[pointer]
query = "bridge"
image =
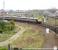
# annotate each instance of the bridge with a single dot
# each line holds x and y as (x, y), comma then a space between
(31, 20)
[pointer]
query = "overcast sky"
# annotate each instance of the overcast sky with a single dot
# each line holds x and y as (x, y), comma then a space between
(29, 4)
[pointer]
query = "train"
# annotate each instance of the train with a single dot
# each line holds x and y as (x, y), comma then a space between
(39, 19)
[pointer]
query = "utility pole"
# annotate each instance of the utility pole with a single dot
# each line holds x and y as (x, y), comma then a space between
(3, 4)
(3, 8)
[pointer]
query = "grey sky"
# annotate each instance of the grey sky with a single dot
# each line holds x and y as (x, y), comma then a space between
(29, 4)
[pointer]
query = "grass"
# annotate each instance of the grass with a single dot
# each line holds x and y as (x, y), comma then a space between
(31, 38)
(7, 34)
(3, 48)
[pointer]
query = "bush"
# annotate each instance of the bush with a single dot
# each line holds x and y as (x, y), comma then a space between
(6, 26)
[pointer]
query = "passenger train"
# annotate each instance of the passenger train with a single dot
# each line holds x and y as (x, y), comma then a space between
(39, 19)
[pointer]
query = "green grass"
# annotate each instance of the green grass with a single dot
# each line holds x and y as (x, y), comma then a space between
(7, 34)
(30, 39)
(3, 48)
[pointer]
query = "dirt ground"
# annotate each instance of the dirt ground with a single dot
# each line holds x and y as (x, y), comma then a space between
(50, 38)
